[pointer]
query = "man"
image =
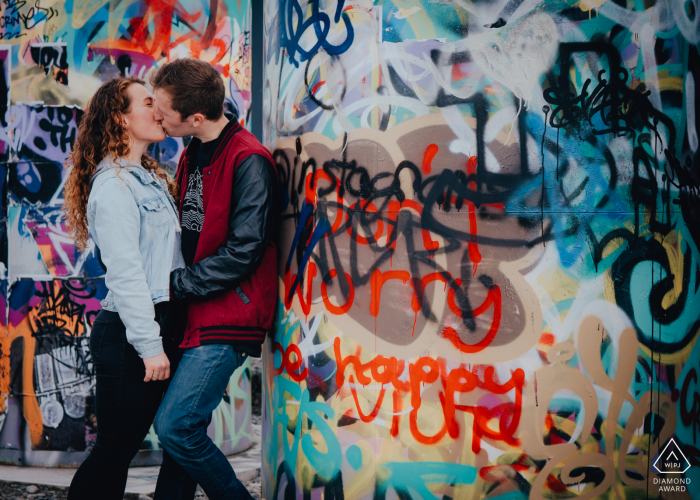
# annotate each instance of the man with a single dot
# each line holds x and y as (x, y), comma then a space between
(228, 192)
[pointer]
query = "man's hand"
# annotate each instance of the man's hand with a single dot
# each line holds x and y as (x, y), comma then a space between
(157, 368)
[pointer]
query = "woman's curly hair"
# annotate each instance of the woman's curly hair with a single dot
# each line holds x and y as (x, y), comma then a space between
(101, 132)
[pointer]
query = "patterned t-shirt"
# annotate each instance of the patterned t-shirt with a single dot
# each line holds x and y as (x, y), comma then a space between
(192, 205)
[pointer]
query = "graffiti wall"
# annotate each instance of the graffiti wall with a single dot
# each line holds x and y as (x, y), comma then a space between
(53, 56)
(489, 253)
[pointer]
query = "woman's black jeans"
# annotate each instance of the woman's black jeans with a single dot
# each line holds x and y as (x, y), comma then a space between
(125, 408)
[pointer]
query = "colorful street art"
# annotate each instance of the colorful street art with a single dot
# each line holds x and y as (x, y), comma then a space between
(489, 252)
(53, 56)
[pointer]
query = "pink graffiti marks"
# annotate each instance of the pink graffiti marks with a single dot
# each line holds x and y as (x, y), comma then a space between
(57, 249)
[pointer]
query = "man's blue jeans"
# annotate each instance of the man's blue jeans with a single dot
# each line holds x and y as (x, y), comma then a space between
(183, 418)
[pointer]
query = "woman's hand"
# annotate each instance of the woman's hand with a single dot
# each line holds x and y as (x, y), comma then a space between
(157, 368)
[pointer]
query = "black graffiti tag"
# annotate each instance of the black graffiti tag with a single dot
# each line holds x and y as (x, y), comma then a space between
(690, 416)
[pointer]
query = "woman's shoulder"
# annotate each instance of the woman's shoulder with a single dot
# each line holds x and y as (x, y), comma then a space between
(111, 182)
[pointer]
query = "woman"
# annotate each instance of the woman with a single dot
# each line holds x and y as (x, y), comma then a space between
(124, 199)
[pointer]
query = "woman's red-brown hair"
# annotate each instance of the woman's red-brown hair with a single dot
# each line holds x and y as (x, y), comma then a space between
(101, 132)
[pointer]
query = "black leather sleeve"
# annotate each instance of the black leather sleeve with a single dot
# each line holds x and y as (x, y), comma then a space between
(253, 216)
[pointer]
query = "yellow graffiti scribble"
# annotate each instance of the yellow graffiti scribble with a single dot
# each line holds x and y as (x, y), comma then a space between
(30, 405)
(673, 358)
(590, 5)
(672, 243)
(23, 330)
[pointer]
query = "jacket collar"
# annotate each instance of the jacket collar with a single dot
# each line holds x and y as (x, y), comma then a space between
(231, 129)
(132, 167)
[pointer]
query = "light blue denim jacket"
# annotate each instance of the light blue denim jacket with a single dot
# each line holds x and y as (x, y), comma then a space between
(133, 220)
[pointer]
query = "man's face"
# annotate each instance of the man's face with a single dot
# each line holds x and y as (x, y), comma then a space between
(172, 121)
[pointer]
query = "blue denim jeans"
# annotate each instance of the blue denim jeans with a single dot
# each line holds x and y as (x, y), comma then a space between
(182, 420)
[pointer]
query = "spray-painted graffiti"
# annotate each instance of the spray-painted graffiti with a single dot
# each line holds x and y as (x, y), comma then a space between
(53, 56)
(490, 254)
(320, 23)
(91, 42)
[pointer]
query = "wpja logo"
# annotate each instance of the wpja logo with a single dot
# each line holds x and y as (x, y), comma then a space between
(672, 461)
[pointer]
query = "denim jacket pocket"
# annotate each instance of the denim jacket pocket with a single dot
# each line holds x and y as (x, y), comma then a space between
(97, 334)
(157, 213)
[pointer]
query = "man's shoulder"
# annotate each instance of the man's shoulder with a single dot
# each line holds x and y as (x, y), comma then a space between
(255, 160)
(243, 145)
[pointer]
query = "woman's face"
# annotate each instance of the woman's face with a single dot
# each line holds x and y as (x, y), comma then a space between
(140, 118)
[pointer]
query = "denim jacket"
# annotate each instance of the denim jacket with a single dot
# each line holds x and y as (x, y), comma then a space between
(133, 220)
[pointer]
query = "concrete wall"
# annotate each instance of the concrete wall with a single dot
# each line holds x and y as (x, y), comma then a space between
(53, 56)
(489, 260)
